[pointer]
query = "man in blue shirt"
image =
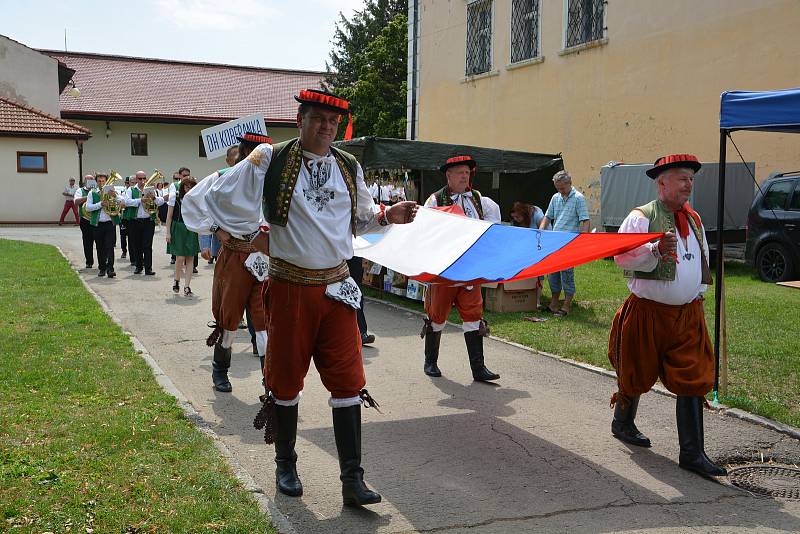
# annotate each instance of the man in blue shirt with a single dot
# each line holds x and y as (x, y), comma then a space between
(567, 212)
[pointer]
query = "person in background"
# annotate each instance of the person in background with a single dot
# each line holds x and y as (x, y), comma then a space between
(162, 192)
(177, 176)
(180, 241)
(142, 225)
(530, 216)
(105, 234)
(567, 213)
(87, 232)
(69, 201)
(356, 267)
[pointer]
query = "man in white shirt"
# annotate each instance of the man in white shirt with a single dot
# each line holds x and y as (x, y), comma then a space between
(142, 224)
(69, 202)
(467, 299)
(103, 223)
(660, 330)
(315, 199)
(87, 232)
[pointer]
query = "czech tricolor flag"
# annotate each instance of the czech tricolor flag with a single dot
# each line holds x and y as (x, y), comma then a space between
(443, 248)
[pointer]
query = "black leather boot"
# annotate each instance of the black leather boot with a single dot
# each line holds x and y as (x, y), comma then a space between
(474, 342)
(689, 416)
(623, 427)
(219, 369)
(286, 478)
(347, 429)
(432, 340)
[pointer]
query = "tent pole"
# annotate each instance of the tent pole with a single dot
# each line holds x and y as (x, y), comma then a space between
(719, 305)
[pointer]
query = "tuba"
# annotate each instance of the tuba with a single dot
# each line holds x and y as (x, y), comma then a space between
(109, 195)
(149, 196)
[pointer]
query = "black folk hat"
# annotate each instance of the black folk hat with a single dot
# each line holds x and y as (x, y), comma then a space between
(672, 161)
(458, 160)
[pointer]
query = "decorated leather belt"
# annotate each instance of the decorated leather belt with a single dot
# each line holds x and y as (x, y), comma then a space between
(239, 245)
(283, 270)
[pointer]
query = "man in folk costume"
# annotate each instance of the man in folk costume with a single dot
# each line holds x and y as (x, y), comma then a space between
(141, 224)
(87, 232)
(660, 330)
(467, 299)
(315, 199)
(239, 274)
(104, 225)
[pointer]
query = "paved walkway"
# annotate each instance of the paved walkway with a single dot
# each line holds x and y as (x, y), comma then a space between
(533, 453)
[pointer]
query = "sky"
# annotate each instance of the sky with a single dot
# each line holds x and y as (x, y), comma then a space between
(292, 34)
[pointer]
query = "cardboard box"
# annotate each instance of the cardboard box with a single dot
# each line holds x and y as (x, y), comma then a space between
(501, 300)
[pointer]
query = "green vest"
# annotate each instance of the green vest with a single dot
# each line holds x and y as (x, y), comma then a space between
(281, 179)
(130, 213)
(94, 216)
(443, 198)
(663, 220)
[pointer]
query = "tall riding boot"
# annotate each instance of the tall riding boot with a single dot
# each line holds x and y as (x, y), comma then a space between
(219, 369)
(689, 416)
(286, 478)
(623, 427)
(347, 429)
(432, 340)
(474, 342)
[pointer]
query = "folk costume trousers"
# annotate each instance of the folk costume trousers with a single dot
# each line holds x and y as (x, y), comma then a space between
(650, 340)
(235, 288)
(306, 324)
(439, 300)
(141, 242)
(105, 238)
(87, 235)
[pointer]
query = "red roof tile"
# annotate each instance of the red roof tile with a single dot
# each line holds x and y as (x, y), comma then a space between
(120, 87)
(19, 120)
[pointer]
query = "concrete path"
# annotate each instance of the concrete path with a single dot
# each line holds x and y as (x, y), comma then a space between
(532, 454)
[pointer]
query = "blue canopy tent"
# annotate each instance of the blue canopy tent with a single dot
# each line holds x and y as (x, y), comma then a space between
(766, 111)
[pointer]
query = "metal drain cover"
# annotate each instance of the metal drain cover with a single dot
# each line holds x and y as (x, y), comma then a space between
(770, 480)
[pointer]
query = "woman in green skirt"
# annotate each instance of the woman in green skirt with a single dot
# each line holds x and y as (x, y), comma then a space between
(180, 241)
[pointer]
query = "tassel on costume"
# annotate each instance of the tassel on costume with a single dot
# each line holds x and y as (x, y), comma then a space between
(483, 328)
(216, 333)
(266, 418)
(427, 328)
(369, 402)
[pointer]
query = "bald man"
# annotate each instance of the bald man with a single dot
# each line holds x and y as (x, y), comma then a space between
(141, 225)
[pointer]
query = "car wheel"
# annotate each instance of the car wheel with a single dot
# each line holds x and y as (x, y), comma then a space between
(774, 264)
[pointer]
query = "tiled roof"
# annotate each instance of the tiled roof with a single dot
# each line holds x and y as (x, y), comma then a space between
(19, 120)
(120, 87)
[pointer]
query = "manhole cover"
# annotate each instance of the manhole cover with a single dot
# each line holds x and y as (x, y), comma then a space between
(771, 480)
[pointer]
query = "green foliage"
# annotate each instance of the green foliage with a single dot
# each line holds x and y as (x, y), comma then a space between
(368, 67)
(88, 440)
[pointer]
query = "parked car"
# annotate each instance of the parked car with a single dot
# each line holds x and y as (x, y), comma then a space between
(773, 229)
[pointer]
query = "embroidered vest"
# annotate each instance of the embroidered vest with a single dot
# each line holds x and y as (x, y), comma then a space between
(281, 179)
(663, 220)
(443, 199)
(94, 216)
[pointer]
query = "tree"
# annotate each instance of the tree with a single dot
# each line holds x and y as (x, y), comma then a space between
(368, 67)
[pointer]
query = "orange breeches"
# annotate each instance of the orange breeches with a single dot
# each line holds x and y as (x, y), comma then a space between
(468, 302)
(235, 288)
(305, 324)
(650, 340)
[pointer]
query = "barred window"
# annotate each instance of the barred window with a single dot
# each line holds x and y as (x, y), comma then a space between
(524, 30)
(479, 37)
(584, 21)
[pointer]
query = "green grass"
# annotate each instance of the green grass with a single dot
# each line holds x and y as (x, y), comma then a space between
(88, 441)
(762, 326)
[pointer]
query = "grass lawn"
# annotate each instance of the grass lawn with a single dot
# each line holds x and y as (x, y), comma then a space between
(88, 441)
(762, 324)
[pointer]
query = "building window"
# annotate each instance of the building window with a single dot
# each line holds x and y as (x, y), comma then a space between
(31, 161)
(584, 22)
(479, 37)
(524, 30)
(138, 144)
(202, 150)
